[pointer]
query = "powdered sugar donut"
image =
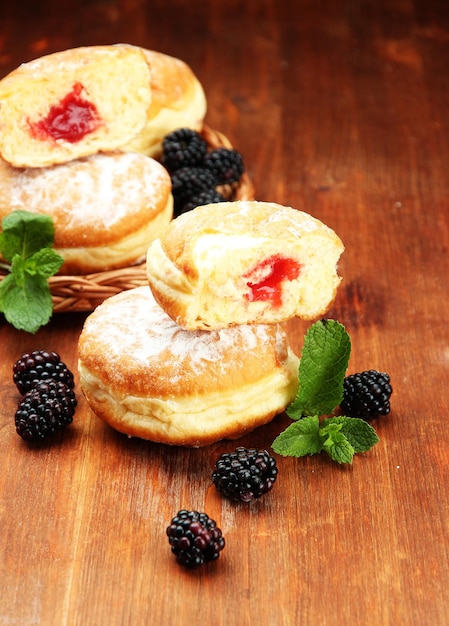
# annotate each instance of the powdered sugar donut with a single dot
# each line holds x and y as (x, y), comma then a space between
(106, 208)
(147, 377)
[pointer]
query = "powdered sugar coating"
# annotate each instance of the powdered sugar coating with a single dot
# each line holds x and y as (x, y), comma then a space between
(68, 61)
(95, 193)
(130, 331)
(227, 217)
(134, 317)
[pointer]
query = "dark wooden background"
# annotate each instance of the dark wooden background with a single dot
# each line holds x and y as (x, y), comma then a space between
(340, 108)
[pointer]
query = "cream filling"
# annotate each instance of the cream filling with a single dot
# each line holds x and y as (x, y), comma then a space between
(219, 292)
(192, 418)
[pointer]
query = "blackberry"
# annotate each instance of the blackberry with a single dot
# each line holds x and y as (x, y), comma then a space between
(207, 196)
(366, 394)
(225, 164)
(245, 474)
(48, 407)
(40, 365)
(183, 148)
(195, 539)
(187, 183)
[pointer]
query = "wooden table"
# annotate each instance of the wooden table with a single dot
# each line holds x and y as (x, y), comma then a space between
(340, 108)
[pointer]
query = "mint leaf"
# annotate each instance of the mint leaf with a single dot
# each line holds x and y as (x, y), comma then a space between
(322, 368)
(359, 433)
(25, 243)
(25, 233)
(340, 450)
(45, 262)
(26, 305)
(335, 443)
(6, 286)
(300, 438)
(330, 432)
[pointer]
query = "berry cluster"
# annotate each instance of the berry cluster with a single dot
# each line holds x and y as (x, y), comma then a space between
(198, 175)
(245, 474)
(195, 539)
(48, 402)
(366, 395)
(40, 365)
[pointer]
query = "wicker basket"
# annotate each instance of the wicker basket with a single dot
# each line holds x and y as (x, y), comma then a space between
(84, 293)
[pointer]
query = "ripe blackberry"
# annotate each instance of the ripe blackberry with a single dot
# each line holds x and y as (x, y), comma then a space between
(195, 539)
(187, 183)
(46, 408)
(225, 164)
(183, 148)
(207, 196)
(245, 474)
(366, 394)
(40, 365)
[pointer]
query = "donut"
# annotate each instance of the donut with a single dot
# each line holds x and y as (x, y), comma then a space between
(178, 101)
(146, 377)
(244, 262)
(96, 99)
(105, 208)
(73, 103)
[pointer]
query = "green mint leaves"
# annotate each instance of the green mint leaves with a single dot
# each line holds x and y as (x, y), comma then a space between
(322, 370)
(340, 437)
(26, 242)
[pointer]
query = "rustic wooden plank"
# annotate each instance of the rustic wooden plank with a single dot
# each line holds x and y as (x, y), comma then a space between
(339, 108)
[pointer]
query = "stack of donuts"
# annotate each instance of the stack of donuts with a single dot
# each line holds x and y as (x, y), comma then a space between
(80, 131)
(201, 353)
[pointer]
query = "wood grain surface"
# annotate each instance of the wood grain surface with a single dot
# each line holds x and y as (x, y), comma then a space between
(340, 108)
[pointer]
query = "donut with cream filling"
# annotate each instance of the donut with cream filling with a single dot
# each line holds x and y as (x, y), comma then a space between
(106, 208)
(244, 262)
(147, 377)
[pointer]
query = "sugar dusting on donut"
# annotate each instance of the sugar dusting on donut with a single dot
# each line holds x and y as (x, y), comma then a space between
(94, 193)
(132, 326)
(68, 61)
(247, 216)
(160, 332)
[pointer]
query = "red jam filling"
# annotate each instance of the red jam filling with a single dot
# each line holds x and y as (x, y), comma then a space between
(269, 289)
(71, 119)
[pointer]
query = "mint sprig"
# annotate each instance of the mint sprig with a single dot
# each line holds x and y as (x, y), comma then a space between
(341, 437)
(26, 242)
(322, 369)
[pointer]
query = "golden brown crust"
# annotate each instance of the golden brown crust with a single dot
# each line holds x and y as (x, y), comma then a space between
(106, 208)
(42, 101)
(178, 101)
(147, 377)
(206, 267)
